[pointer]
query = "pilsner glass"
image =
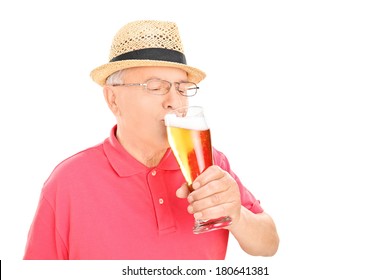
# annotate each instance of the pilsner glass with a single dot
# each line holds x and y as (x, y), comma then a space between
(190, 141)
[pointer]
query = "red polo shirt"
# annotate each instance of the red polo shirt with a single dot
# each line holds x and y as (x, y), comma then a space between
(103, 204)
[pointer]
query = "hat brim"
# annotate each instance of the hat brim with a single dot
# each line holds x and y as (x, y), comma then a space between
(100, 74)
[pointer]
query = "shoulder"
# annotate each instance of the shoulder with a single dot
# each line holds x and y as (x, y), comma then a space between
(72, 168)
(220, 159)
(82, 159)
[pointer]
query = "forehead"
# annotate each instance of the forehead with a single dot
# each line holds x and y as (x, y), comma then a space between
(146, 72)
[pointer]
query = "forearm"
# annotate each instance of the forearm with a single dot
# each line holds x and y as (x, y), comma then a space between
(256, 233)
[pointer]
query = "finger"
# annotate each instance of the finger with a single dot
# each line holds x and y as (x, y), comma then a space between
(215, 212)
(211, 201)
(222, 184)
(183, 191)
(206, 191)
(212, 173)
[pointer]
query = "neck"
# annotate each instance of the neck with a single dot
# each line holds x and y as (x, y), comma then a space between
(145, 152)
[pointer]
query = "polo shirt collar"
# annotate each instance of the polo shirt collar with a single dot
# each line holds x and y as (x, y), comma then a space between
(125, 164)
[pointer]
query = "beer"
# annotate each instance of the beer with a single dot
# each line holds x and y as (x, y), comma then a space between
(192, 148)
(190, 141)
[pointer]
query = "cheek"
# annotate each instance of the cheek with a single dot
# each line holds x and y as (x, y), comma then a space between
(128, 105)
(136, 109)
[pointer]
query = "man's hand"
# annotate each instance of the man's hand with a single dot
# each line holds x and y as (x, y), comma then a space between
(216, 194)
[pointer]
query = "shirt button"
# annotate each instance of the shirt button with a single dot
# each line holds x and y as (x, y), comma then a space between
(154, 173)
(161, 201)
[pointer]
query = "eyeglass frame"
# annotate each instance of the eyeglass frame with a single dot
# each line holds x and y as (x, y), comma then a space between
(145, 86)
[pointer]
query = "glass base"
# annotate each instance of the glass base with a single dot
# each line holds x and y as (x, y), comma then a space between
(202, 226)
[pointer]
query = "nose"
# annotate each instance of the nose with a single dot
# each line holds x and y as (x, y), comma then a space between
(173, 99)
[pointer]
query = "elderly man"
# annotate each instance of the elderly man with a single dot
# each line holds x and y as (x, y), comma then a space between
(126, 197)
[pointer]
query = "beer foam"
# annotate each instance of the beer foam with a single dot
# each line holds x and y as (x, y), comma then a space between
(195, 122)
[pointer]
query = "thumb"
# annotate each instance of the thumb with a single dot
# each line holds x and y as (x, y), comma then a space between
(183, 191)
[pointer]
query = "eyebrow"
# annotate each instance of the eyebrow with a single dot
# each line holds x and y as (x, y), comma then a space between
(157, 78)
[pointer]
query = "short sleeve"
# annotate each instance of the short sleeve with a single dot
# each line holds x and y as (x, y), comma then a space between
(247, 198)
(44, 242)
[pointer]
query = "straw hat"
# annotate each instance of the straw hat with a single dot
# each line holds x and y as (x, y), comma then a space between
(146, 43)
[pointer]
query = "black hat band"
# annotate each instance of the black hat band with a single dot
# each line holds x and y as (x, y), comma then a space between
(152, 54)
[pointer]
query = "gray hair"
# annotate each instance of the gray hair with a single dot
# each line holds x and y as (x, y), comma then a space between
(115, 78)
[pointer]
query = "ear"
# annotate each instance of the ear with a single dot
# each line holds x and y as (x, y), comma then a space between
(110, 96)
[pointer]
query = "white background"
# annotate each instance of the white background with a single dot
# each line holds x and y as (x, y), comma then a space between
(297, 95)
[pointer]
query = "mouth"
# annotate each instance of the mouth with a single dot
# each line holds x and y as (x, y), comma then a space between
(163, 122)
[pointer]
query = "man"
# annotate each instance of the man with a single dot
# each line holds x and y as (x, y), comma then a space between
(126, 198)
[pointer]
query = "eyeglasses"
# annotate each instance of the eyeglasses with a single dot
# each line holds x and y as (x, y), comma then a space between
(161, 87)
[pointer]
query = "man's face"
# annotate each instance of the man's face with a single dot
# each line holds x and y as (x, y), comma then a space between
(140, 113)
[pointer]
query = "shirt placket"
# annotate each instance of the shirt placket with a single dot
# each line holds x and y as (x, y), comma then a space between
(163, 211)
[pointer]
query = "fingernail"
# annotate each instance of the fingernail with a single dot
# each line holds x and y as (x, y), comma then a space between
(190, 209)
(198, 215)
(195, 185)
(190, 199)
